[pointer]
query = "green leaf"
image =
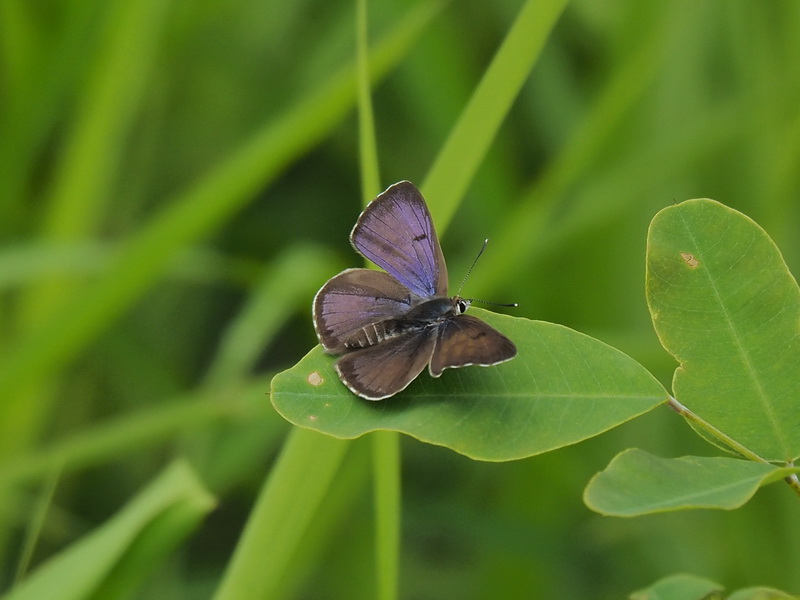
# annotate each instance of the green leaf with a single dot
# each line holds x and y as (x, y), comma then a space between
(725, 305)
(683, 586)
(761, 593)
(562, 388)
(680, 587)
(109, 561)
(637, 483)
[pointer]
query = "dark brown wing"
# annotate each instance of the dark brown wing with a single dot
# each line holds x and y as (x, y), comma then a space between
(385, 369)
(465, 340)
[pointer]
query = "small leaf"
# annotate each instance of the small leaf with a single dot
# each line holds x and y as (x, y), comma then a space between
(637, 483)
(681, 586)
(562, 388)
(725, 305)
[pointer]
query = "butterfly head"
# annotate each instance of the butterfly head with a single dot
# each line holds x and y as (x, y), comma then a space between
(462, 304)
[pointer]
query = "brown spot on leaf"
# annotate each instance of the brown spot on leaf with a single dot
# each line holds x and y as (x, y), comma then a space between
(315, 379)
(690, 260)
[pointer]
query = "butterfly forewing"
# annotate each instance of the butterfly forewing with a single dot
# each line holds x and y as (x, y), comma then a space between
(382, 370)
(465, 340)
(353, 300)
(396, 233)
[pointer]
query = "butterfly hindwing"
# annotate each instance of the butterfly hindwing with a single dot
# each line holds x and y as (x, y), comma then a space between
(382, 370)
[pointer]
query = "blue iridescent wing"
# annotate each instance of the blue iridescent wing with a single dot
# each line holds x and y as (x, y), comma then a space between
(396, 232)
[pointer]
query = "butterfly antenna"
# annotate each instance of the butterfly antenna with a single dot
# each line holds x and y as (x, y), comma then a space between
(512, 305)
(485, 243)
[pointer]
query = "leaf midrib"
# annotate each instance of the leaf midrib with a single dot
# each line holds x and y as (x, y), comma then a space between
(741, 348)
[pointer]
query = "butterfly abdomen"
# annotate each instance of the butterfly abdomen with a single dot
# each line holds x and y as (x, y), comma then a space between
(374, 333)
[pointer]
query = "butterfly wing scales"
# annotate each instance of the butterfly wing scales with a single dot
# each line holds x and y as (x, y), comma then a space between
(465, 340)
(396, 232)
(381, 371)
(354, 299)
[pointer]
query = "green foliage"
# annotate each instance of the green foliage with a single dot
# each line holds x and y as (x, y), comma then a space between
(637, 483)
(761, 593)
(725, 305)
(691, 587)
(291, 497)
(683, 587)
(124, 550)
(178, 179)
(562, 388)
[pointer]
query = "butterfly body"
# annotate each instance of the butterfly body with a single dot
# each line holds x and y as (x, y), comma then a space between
(425, 315)
(390, 325)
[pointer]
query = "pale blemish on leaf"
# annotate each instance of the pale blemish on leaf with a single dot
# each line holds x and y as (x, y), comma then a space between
(315, 379)
(690, 260)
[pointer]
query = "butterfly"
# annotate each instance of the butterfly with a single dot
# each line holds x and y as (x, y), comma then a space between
(388, 326)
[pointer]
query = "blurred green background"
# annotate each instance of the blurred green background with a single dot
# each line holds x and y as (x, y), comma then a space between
(177, 179)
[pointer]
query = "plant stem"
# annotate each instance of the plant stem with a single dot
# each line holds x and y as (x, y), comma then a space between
(367, 143)
(386, 478)
(794, 483)
(386, 444)
(682, 410)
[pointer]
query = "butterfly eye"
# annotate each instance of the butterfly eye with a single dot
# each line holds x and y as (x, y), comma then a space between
(462, 305)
